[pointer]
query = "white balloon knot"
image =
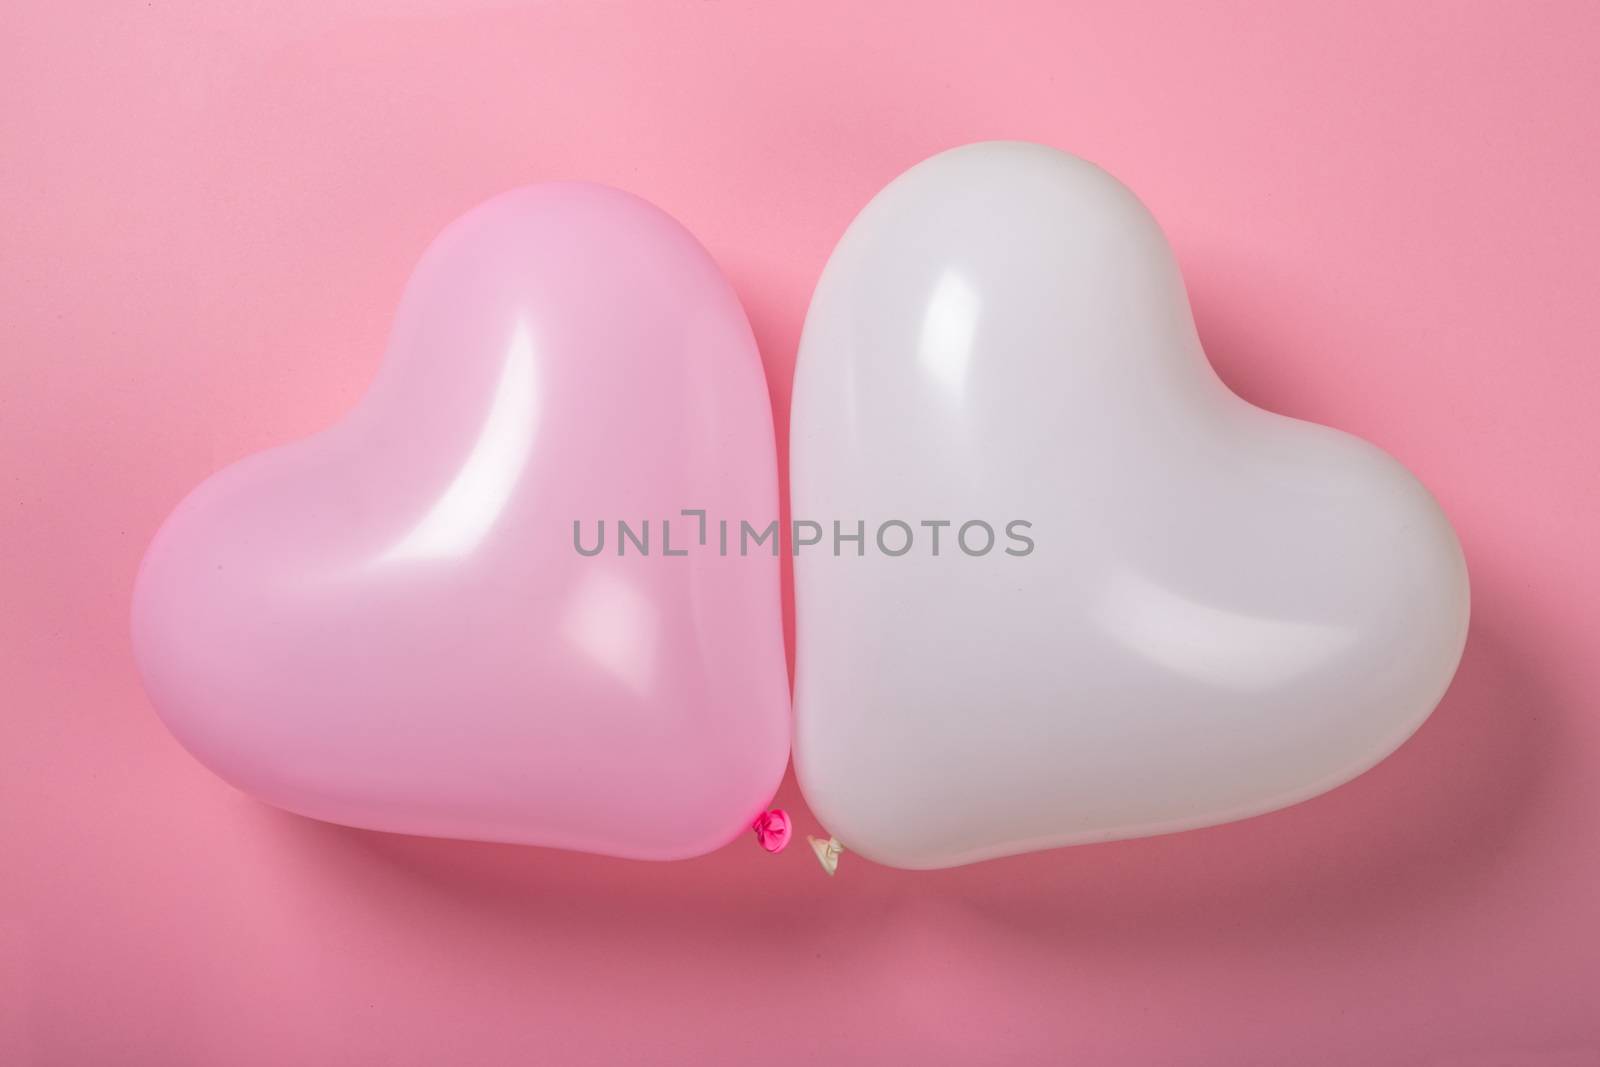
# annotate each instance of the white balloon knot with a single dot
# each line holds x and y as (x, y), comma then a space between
(827, 852)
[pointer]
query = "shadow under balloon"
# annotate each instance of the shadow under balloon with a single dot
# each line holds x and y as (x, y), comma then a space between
(1424, 827)
(1438, 818)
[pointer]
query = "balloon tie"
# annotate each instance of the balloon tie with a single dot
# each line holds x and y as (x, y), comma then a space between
(827, 853)
(773, 829)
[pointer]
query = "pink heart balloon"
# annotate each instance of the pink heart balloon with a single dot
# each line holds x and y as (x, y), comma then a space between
(388, 625)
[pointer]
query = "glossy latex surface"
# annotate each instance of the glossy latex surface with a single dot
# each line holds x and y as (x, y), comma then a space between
(388, 625)
(1223, 610)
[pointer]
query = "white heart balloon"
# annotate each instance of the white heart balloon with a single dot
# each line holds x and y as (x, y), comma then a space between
(1097, 595)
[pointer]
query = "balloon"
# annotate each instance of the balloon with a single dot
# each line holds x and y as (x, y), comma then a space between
(1151, 606)
(389, 625)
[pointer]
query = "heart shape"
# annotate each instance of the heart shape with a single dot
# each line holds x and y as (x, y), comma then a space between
(1205, 610)
(387, 625)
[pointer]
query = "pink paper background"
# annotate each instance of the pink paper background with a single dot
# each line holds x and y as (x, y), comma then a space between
(1388, 216)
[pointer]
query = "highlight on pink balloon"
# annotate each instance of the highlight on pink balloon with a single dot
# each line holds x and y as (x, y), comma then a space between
(388, 626)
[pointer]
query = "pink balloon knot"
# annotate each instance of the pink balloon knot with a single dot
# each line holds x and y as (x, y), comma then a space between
(773, 829)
